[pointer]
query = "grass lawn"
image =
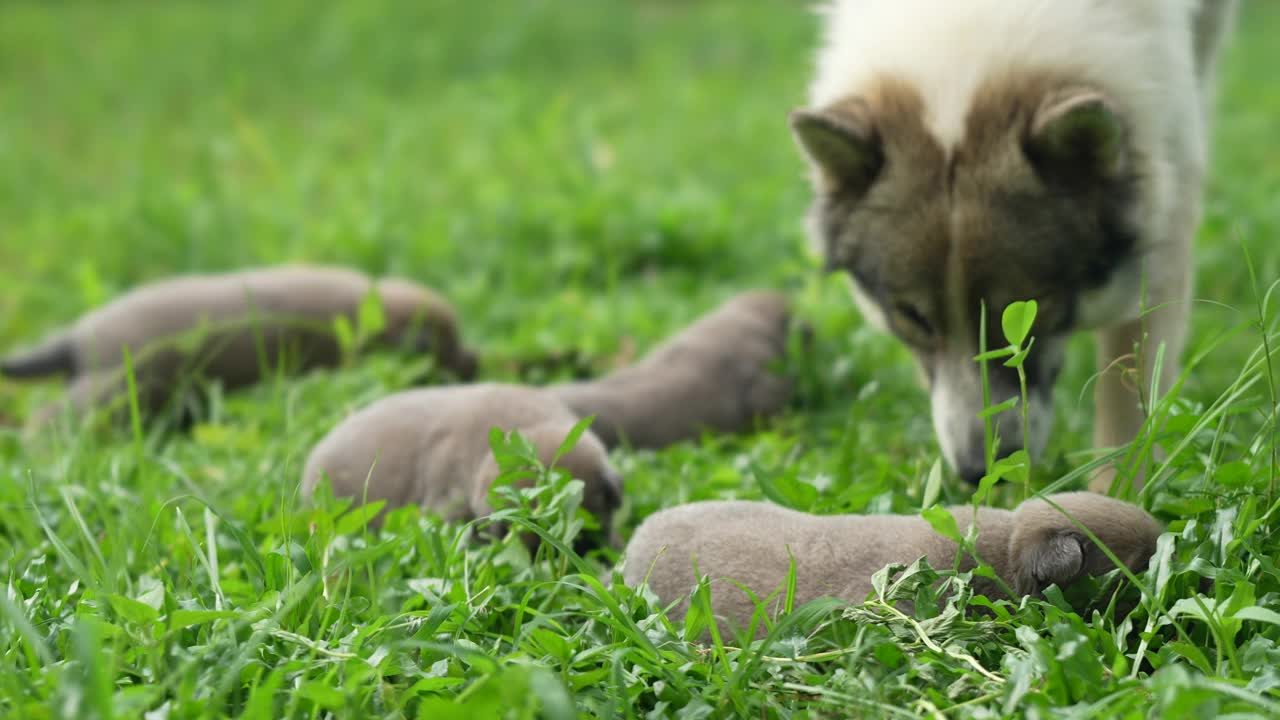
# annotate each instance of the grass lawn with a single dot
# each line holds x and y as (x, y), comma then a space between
(581, 176)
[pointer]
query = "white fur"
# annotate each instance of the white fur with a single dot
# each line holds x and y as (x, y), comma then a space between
(1138, 52)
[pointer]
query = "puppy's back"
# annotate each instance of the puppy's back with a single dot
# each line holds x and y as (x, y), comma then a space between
(170, 307)
(428, 444)
(716, 374)
(749, 326)
(380, 443)
(753, 543)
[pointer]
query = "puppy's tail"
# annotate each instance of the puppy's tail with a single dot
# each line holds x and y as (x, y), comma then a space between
(53, 356)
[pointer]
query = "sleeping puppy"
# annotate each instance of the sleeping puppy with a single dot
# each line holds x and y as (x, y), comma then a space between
(430, 447)
(1030, 548)
(715, 375)
(232, 327)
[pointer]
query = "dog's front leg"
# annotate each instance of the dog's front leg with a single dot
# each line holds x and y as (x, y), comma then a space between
(1122, 396)
(1118, 399)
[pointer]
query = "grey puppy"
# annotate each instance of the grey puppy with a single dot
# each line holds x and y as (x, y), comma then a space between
(431, 447)
(714, 375)
(1030, 548)
(229, 327)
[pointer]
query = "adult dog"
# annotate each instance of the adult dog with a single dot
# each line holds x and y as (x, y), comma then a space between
(976, 153)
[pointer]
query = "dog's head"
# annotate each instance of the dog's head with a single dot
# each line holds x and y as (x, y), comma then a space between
(587, 460)
(1047, 548)
(1035, 201)
(420, 320)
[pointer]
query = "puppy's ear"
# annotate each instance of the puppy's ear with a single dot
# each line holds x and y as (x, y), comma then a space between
(842, 145)
(1056, 559)
(1078, 136)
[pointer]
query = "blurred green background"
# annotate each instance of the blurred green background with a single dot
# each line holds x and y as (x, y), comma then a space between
(556, 167)
(575, 175)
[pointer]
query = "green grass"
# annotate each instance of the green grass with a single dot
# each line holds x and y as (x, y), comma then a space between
(587, 176)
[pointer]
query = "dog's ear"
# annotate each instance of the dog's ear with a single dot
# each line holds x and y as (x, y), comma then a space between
(842, 144)
(1077, 135)
(1057, 558)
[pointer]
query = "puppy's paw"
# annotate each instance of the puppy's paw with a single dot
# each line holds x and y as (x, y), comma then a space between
(1056, 558)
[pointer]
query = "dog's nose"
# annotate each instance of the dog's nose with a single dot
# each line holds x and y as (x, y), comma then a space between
(972, 473)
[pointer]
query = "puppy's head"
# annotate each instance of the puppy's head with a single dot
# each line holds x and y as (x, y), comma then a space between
(420, 320)
(1035, 200)
(767, 308)
(1046, 547)
(587, 461)
(753, 337)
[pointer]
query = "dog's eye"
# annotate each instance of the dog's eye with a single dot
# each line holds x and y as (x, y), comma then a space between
(913, 324)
